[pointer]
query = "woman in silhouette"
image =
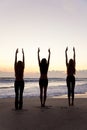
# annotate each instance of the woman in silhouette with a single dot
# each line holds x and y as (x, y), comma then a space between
(70, 76)
(19, 81)
(43, 81)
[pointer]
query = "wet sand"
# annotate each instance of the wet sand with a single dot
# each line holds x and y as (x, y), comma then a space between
(57, 115)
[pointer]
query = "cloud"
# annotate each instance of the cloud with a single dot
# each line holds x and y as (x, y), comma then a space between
(51, 74)
(81, 74)
(56, 74)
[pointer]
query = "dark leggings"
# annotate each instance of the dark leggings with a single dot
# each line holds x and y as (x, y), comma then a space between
(70, 85)
(43, 83)
(19, 87)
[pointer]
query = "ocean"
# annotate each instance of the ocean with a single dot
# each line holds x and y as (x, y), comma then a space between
(56, 87)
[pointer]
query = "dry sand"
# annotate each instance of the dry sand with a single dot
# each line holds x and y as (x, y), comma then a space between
(57, 115)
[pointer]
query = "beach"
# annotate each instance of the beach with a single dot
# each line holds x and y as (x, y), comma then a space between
(57, 115)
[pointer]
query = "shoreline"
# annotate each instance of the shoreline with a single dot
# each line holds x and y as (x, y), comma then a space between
(76, 96)
(61, 96)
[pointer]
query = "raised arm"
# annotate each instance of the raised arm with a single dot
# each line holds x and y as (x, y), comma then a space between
(38, 56)
(23, 57)
(66, 56)
(49, 56)
(74, 56)
(16, 57)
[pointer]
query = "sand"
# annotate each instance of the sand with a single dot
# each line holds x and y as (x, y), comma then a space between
(57, 115)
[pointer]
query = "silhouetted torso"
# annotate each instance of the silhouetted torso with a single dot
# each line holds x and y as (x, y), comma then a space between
(19, 70)
(43, 70)
(70, 70)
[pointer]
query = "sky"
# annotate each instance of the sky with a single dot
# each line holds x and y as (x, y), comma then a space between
(44, 24)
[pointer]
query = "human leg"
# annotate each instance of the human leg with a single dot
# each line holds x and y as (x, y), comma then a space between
(45, 90)
(41, 95)
(73, 86)
(45, 95)
(21, 94)
(68, 87)
(16, 94)
(41, 91)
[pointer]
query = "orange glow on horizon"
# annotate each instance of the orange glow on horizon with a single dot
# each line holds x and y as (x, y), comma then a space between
(36, 69)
